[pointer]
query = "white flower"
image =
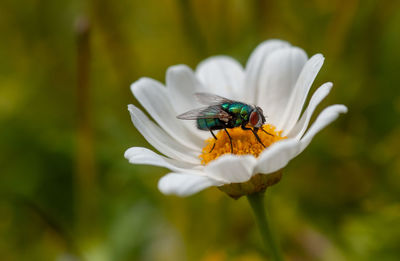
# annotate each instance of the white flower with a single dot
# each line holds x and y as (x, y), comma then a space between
(277, 77)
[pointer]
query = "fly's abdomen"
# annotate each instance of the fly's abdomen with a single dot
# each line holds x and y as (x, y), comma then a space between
(207, 124)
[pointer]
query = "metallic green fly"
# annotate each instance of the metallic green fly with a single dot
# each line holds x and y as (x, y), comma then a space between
(222, 114)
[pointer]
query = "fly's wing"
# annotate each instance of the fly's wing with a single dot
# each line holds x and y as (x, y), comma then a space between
(211, 99)
(211, 112)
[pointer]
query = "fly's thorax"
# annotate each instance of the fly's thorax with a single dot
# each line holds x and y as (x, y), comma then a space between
(235, 108)
(239, 113)
(238, 110)
(238, 121)
(245, 112)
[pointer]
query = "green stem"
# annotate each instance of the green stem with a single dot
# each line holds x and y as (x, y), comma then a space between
(256, 201)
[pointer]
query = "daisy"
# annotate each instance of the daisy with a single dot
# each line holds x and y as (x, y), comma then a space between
(277, 78)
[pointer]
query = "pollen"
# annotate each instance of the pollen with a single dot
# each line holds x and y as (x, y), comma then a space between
(244, 142)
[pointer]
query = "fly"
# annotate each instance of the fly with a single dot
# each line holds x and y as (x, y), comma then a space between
(222, 114)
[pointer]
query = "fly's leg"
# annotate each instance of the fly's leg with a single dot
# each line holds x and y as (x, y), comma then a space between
(212, 148)
(230, 139)
(212, 133)
(258, 138)
(266, 132)
(255, 134)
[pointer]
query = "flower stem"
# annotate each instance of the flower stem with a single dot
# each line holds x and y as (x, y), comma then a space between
(256, 201)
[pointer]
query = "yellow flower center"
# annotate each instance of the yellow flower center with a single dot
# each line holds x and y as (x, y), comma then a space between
(244, 142)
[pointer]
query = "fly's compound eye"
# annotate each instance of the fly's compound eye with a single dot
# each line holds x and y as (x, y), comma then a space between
(254, 118)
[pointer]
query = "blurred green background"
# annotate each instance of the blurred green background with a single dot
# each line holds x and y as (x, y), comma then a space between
(67, 193)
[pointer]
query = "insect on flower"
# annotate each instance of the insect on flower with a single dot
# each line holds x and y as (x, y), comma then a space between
(277, 77)
(222, 114)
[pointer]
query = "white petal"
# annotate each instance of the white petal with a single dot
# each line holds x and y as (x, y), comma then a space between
(182, 84)
(221, 75)
(139, 155)
(301, 126)
(327, 116)
(231, 168)
(300, 92)
(276, 79)
(185, 184)
(254, 65)
(152, 95)
(159, 139)
(279, 154)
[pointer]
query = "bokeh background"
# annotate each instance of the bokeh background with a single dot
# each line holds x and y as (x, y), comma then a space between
(67, 193)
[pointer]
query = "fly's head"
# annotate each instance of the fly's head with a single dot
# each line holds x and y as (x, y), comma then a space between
(257, 118)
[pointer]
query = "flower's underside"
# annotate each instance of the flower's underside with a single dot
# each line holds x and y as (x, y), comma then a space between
(244, 142)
